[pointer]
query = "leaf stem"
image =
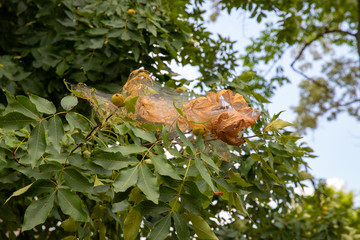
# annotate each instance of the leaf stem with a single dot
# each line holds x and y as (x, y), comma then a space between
(182, 185)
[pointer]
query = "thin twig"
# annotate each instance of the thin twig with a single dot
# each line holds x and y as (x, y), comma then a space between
(257, 135)
(52, 181)
(320, 35)
(76, 147)
(16, 160)
(89, 135)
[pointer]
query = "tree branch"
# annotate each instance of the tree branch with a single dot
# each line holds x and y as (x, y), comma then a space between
(318, 36)
(16, 160)
(89, 135)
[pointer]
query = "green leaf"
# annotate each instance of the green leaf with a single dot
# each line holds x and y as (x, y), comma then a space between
(71, 205)
(304, 175)
(165, 136)
(266, 167)
(37, 143)
(70, 237)
(56, 132)
(132, 225)
(69, 102)
(37, 212)
(277, 124)
(120, 206)
(204, 173)
(126, 179)
(260, 97)
(19, 192)
(236, 178)
(202, 229)
(148, 136)
(161, 229)
(98, 31)
(184, 139)
(148, 184)
(174, 152)
(148, 208)
(121, 129)
(200, 144)
(163, 166)
(113, 161)
(24, 106)
(178, 109)
(181, 227)
(276, 116)
(61, 68)
(240, 205)
(77, 121)
(43, 105)
(130, 104)
(125, 35)
(126, 150)
(69, 225)
(251, 143)
(210, 161)
(44, 171)
(77, 181)
(15, 120)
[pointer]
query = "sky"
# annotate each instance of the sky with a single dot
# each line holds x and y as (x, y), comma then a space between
(336, 143)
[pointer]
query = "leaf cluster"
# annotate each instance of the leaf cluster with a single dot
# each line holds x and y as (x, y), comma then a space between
(64, 175)
(99, 43)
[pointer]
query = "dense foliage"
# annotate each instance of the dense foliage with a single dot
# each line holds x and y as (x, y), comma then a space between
(100, 43)
(67, 173)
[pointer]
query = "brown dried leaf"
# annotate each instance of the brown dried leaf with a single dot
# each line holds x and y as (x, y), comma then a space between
(228, 115)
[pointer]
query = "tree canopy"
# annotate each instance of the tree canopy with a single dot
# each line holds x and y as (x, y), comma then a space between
(323, 35)
(78, 169)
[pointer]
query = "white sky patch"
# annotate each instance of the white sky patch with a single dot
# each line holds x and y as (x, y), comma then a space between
(305, 191)
(272, 203)
(337, 183)
(225, 217)
(167, 154)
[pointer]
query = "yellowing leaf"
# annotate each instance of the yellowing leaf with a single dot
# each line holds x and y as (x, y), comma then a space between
(69, 225)
(97, 182)
(19, 192)
(277, 124)
(132, 225)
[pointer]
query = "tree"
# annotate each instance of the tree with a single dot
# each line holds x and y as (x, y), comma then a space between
(101, 43)
(326, 214)
(323, 34)
(71, 172)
